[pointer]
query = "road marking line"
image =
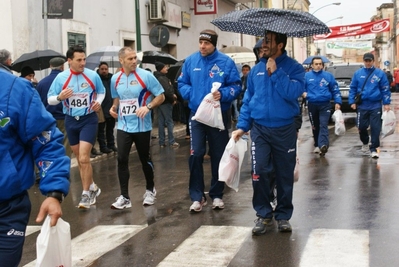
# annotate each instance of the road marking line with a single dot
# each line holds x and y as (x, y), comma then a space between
(336, 248)
(208, 246)
(32, 229)
(91, 245)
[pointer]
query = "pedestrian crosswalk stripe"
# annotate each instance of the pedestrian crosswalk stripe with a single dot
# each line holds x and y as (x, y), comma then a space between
(336, 248)
(208, 246)
(32, 229)
(94, 243)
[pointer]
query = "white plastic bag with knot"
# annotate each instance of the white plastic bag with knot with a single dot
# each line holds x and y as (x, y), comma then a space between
(388, 123)
(53, 245)
(339, 122)
(209, 111)
(230, 163)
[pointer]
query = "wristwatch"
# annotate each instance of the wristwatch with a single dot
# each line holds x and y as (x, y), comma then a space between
(58, 98)
(57, 195)
(149, 106)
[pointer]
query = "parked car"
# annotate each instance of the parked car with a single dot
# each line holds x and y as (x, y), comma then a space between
(343, 74)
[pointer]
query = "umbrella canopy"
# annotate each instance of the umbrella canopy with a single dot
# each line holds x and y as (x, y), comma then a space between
(309, 59)
(37, 60)
(174, 71)
(160, 56)
(108, 54)
(255, 21)
(235, 49)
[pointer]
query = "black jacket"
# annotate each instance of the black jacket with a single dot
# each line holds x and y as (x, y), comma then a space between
(107, 102)
(167, 86)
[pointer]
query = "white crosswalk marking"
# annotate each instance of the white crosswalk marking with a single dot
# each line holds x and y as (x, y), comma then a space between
(336, 248)
(32, 229)
(208, 246)
(99, 240)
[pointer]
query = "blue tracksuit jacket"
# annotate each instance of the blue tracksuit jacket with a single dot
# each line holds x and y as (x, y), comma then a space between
(272, 101)
(321, 87)
(198, 74)
(28, 133)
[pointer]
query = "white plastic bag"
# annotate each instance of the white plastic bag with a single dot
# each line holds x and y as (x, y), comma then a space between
(230, 163)
(53, 245)
(209, 111)
(339, 122)
(388, 123)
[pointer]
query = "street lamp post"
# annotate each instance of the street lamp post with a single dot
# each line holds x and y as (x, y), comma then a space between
(317, 42)
(308, 38)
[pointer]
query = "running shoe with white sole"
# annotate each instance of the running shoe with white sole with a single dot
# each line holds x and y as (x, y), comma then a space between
(121, 203)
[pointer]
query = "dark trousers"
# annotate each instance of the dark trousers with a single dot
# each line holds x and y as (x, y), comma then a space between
(319, 115)
(273, 149)
(105, 134)
(372, 118)
(142, 143)
(14, 216)
(217, 141)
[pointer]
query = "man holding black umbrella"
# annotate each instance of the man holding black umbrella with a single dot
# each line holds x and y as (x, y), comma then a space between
(269, 109)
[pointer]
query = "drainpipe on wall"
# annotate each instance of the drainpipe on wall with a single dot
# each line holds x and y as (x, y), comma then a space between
(138, 26)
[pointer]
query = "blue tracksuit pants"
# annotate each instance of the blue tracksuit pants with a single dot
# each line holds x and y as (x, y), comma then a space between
(217, 141)
(273, 149)
(372, 118)
(14, 216)
(319, 115)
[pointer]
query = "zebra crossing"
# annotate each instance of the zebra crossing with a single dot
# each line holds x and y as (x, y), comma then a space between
(218, 245)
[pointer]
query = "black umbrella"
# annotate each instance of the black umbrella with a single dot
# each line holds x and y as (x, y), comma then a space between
(160, 56)
(174, 71)
(37, 60)
(108, 54)
(255, 21)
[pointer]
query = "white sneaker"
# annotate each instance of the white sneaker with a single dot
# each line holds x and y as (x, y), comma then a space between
(316, 150)
(94, 194)
(84, 202)
(121, 203)
(218, 204)
(149, 197)
(197, 206)
(365, 148)
(374, 155)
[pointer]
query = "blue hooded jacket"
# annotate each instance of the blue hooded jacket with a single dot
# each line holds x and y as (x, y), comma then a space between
(28, 133)
(198, 74)
(321, 87)
(272, 101)
(376, 91)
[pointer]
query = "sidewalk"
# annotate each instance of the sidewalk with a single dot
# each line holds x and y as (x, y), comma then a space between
(179, 130)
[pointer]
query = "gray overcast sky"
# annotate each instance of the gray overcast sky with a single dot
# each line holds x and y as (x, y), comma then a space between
(353, 11)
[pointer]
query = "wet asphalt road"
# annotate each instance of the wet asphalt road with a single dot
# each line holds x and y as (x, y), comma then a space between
(345, 212)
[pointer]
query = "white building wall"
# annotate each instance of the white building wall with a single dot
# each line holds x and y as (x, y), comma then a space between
(105, 23)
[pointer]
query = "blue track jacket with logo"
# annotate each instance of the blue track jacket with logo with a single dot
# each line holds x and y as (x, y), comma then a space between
(28, 133)
(376, 91)
(272, 101)
(198, 74)
(321, 87)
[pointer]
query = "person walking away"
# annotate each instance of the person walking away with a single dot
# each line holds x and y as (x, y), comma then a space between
(57, 66)
(81, 92)
(105, 135)
(390, 80)
(135, 92)
(269, 109)
(372, 84)
(320, 88)
(26, 143)
(166, 108)
(396, 79)
(199, 71)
